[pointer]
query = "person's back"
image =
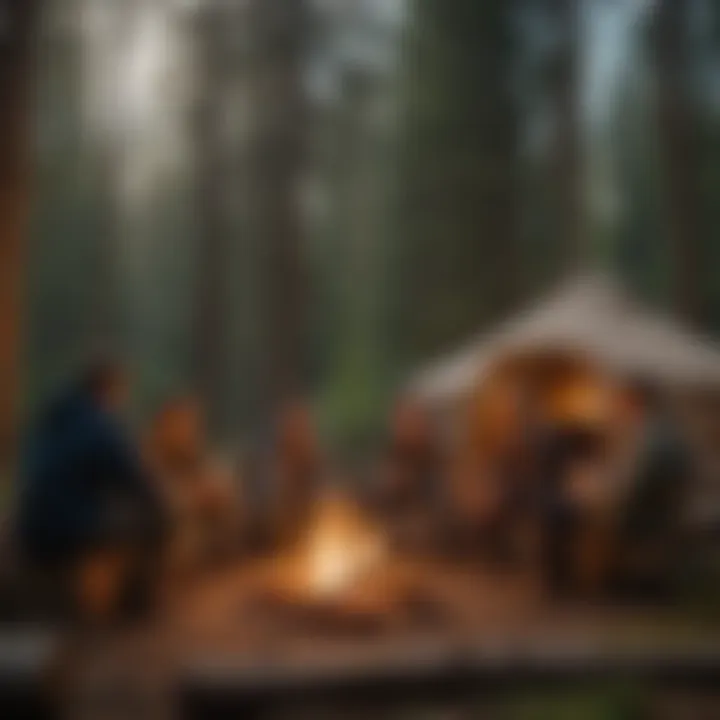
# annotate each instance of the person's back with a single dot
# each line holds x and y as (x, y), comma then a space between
(84, 501)
(59, 497)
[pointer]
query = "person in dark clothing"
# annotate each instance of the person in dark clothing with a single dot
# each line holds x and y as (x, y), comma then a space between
(85, 503)
(562, 450)
(654, 490)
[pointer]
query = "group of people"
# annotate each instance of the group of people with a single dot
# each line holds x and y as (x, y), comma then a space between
(592, 503)
(105, 517)
(593, 506)
(111, 517)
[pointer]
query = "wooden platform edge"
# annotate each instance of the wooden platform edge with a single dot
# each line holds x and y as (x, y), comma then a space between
(214, 687)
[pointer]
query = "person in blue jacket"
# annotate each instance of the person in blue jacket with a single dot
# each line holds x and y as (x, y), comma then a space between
(86, 504)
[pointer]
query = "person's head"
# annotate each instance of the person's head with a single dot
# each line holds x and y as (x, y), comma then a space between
(296, 432)
(106, 382)
(639, 399)
(410, 424)
(178, 426)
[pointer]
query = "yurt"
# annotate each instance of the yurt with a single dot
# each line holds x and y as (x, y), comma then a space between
(574, 349)
(587, 322)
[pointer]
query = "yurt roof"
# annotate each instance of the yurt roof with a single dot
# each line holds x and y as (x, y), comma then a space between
(590, 316)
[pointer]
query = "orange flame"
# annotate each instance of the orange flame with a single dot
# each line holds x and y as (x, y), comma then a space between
(342, 548)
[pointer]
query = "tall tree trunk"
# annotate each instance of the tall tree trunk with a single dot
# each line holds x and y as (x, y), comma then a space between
(568, 151)
(17, 31)
(279, 30)
(106, 313)
(210, 341)
(679, 154)
(457, 253)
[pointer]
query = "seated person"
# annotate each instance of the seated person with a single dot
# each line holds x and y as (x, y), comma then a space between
(297, 474)
(410, 475)
(568, 488)
(85, 507)
(197, 491)
(491, 476)
(651, 489)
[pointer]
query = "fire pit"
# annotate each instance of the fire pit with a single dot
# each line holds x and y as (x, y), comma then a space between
(343, 579)
(344, 582)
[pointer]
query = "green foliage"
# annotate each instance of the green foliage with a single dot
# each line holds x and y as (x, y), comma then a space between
(353, 408)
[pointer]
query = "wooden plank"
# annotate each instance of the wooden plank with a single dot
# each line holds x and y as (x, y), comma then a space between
(221, 688)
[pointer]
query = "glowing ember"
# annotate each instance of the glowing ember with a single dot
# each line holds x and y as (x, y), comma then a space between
(342, 548)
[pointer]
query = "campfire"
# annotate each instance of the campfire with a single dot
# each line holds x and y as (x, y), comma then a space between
(344, 579)
(343, 549)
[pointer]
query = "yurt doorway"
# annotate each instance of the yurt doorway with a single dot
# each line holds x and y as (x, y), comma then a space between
(538, 433)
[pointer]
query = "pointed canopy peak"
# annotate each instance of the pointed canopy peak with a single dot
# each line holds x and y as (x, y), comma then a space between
(593, 290)
(589, 314)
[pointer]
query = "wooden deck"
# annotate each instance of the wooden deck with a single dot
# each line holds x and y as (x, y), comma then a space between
(223, 646)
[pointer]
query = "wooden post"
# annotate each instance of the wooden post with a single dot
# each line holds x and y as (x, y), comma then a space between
(17, 26)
